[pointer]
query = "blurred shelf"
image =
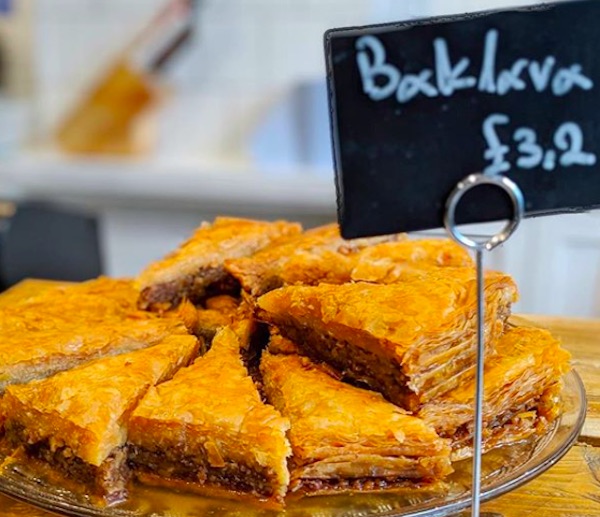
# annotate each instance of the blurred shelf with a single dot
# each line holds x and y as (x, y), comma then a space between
(189, 185)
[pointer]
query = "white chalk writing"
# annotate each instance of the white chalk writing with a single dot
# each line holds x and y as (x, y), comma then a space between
(382, 79)
(568, 140)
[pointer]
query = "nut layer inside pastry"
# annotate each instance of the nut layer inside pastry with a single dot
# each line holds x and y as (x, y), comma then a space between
(367, 367)
(195, 287)
(108, 480)
(364, 484)
(170, 463)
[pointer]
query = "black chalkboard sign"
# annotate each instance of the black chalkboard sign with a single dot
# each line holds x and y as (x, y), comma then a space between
(416, 106)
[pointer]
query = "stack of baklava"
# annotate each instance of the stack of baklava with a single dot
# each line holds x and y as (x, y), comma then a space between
(261, 359)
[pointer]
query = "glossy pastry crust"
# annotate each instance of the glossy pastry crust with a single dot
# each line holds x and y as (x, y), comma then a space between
(389, 262)
(280, 345)
(342, 436)
(411, 341)
(317, 255)
(521, 382)
(195, 270)
(209, 426)
(79, 418)
(96, 300)
(65, 327)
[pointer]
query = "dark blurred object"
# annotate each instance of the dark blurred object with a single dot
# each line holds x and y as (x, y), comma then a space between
(2, 64)
(41, 241)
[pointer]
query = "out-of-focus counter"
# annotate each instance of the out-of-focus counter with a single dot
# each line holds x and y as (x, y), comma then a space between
(191, 185)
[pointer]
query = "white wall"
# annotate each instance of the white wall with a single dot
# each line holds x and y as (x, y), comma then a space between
(441, 7)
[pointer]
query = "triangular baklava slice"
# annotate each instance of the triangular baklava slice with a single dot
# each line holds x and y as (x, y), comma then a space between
(209, 428)
(77, 420)
(196, 270)
(411, 341)
(522, 386)
(345, 437)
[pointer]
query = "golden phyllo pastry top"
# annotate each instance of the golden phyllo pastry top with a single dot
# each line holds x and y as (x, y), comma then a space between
(410, 316)
(66, 326)
(317, 255)
(388, 262)
(100, 300)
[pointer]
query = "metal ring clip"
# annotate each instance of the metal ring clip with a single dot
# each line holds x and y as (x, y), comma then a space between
(472, 181)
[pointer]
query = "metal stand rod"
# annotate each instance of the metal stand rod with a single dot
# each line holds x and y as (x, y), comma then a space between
(479, 247)
(477, 437)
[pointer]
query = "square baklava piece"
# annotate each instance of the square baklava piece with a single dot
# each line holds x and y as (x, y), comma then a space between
(411, 341)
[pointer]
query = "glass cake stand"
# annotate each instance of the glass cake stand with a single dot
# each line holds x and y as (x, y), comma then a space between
(504, 469)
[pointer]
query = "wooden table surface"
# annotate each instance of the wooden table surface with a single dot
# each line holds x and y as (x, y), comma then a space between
(571, 488)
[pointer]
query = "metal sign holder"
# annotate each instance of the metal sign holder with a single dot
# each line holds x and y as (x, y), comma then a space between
(479, 246)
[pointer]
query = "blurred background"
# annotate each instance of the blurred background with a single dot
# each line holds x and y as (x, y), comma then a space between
(125, 124)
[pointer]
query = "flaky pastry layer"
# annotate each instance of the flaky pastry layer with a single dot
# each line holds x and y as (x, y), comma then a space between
(390, 262)
(520, 383)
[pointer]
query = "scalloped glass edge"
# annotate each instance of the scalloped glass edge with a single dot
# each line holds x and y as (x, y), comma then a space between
(20, 484)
